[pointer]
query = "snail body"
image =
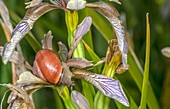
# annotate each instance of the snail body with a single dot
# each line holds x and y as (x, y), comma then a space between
(48, 66)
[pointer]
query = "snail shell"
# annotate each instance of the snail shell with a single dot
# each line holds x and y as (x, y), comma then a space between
(48, 66)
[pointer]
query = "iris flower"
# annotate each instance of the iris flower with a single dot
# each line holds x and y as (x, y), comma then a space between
(37, 8)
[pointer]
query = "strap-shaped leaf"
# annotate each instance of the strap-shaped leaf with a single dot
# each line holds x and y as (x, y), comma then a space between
(108, 86)
(81, 30)
(24, 27)
(79, 100)
(112, 15)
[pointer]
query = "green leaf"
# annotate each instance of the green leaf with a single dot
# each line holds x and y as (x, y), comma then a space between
(66, 98)
(96, 17)
(136, 72)
(93, 57)
(146, 69)
(101, 101)
(33, 42)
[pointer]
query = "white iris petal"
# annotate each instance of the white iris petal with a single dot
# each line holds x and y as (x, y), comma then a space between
(76, 4)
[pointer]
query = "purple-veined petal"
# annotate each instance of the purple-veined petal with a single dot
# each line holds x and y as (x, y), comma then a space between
(17, 35)
(81, 30)
(79, 100)
(108, 86)
(24, 27)
(19, 63)
(112, 15)
(62, 3)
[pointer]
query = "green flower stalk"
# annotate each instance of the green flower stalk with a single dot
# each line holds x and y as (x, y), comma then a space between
(72, 21)
(71, 18)
(66, 98)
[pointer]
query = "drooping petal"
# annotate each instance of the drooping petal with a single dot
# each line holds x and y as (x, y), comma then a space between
(67, 75)
(5, 16)
(18, 59)
(27, 78)
(63, 51)
(62, 3)
(79, 100)
(19, 62)
(112, 15)
(33, 3)
(81, 30)
(108, 86)
(47, 41)
(76, 4)
(79, 62)
(24, 27)
(5, 21)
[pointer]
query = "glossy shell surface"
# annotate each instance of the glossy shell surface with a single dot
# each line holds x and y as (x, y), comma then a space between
(47, 66)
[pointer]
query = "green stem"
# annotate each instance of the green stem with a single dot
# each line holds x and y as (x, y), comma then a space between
(146, 69)
(66, 98)
(71, 22)
(71, 18)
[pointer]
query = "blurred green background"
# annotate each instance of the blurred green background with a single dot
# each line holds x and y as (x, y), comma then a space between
(133, 16)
